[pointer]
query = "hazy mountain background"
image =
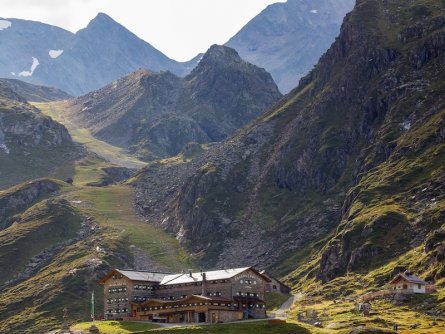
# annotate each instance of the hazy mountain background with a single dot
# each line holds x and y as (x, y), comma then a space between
(287, 39)
(81, 62)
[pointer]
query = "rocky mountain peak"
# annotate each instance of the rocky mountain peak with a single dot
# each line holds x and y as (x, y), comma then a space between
(221, 53)
(102, 19)
(220, 59)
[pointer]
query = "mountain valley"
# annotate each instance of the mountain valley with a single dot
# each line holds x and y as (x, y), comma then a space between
(334, 188)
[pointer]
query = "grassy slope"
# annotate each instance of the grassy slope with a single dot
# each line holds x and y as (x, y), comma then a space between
(38, 301)
(394, 202)
(112, 208)
(258, 327)
(116, 327)
(70, 276)
(41, 226)
(109, 152)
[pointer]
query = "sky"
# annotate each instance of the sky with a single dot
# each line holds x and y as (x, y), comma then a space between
(179, 28)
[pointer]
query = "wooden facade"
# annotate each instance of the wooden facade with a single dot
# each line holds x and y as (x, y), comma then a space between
(193, 309)
(213, 296)
(276, 285)
(120, 291)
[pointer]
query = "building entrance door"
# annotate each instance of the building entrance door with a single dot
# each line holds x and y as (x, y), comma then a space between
(201, 317)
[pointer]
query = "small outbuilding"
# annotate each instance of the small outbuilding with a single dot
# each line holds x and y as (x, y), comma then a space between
(408, 282)
(275, 285)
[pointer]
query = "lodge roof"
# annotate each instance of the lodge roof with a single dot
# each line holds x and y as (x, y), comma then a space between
(147, 276)
(407, 276)
(169, 279)
(209, 276)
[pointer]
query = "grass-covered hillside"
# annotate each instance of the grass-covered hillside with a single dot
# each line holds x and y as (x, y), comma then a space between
(257, 327)
(336, 189)
(58, 240)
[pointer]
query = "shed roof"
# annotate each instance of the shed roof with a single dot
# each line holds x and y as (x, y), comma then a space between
(271, 277)
(408, 277)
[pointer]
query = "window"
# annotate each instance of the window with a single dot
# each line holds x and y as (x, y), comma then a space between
(419, 286)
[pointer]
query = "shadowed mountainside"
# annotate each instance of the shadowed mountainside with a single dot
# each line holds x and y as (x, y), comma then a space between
(31, 144)
(35, 93)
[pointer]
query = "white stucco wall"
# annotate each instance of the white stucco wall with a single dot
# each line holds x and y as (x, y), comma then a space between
(410, 286)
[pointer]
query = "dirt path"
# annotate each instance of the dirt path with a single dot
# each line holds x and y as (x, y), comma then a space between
(282, 311)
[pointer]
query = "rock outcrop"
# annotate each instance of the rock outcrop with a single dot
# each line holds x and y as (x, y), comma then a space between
(31, 144)
(23, 196)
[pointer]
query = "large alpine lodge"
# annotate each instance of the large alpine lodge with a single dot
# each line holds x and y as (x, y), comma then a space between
(190, 297)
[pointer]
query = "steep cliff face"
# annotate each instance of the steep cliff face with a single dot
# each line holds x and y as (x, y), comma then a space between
(156, 115)
(349, 164)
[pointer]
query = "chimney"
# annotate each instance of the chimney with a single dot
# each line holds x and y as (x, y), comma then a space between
(204, 284)
(408, 273)
(190, 273)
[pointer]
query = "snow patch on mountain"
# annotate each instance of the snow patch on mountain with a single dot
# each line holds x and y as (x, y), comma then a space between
(35, 63)
(4, 24)
(4, 148)
(55, 53)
